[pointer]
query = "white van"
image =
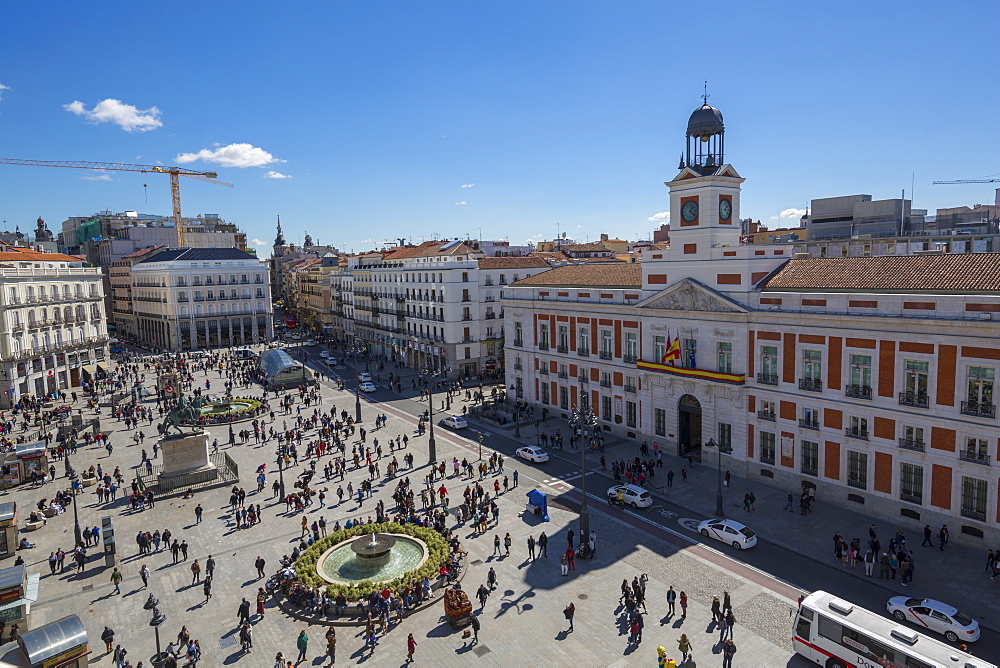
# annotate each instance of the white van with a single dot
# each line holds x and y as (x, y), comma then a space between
(243, 353)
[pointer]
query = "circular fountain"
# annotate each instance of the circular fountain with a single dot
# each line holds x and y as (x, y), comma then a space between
(225, 406)
(378, 557)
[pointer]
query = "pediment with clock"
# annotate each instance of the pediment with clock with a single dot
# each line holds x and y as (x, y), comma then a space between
(690, 295)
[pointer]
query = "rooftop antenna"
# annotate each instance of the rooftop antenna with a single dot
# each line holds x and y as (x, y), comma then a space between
(705, 95)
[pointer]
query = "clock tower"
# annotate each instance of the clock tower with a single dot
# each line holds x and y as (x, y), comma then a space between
(705, 195)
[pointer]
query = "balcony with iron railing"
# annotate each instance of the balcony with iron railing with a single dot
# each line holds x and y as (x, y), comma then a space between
(518, 366)
(910, 497)
(979, 409)
(630, 359)
(490, 315)
(631, 389)
(809, 424)
(543, 345)
(916, 444)
(562, 348)
(583, 379)
(767, 378)
(606, 355)
(811, 384)
(858, 391)
(861, 434)
(583, 352)
(563, 374)
(543, 370)
(518, 342)
(974, 457)
(605, 383)
(766, 415)
(913, 399)
(810, 469)
(857, 482)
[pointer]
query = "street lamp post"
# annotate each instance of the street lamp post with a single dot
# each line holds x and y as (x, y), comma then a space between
(585, 418)
(480, 447)
(718, 498)
(357, 385)
(71, 474)
(153, 604)
(281, 470)
(517, 414)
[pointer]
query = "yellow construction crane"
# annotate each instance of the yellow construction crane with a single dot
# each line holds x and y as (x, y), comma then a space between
(174, 172)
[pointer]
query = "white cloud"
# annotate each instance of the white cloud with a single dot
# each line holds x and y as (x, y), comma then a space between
(125, 116)
(3, 88)
(271, 174)
(460, 203)
(790, 213)
(468, 185)
(661, 216)
(233, 155)
(258, 242)
(97, 177)
(366, 241)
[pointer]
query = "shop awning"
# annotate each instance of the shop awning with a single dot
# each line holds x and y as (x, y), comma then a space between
(88, 369)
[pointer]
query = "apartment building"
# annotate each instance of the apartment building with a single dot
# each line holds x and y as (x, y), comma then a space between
(54, 333)
(193, 298)
(120, 278)
(870, 379)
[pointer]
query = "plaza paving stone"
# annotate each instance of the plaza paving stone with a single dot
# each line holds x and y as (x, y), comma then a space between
(522, 623)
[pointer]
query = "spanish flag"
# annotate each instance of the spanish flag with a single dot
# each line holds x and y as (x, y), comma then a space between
(673, 352)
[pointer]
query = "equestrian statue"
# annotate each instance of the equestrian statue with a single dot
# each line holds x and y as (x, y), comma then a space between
(184, 414)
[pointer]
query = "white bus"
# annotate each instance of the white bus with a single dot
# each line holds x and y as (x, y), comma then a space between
(833, 633)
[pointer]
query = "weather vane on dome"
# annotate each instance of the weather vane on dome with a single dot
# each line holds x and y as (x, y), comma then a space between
(705, 95)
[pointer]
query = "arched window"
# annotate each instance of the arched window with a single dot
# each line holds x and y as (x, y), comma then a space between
(81, 336)
(222, 309)
(184, 311)
(211, 309)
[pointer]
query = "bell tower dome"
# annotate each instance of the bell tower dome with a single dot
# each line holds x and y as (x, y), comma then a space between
(706, 139)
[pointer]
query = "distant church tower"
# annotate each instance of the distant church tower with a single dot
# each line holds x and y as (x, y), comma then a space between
(279, 241)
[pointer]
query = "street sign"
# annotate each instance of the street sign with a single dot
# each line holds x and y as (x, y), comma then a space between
(169, 389)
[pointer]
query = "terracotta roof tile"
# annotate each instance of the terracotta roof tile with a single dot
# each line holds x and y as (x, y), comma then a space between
(430, 249)
(619, 275)
(948, 272)
(511, 262)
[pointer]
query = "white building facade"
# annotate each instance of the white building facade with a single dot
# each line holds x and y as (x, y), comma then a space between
(54, 332)
(196, 298)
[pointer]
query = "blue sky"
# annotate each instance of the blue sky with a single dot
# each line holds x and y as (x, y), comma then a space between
(554, 115)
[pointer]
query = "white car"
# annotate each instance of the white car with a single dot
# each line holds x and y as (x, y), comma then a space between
(311, 342)
(295, 337)
(455, 422)
(532, 453)
(324, 353)
(632, 495)
(365, 377)
(730, 532)
(367, 386)
(930, 615)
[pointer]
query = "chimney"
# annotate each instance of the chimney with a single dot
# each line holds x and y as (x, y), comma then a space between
(604, 237)
(803, 256)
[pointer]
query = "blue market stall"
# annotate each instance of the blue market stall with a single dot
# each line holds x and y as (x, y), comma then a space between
(538, 504)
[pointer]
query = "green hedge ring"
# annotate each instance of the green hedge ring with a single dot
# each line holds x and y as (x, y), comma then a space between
(437, 554)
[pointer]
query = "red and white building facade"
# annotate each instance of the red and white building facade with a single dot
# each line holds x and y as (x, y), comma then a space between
(870, 379)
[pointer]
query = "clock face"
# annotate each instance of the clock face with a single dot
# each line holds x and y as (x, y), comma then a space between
(725, 209)
(689, 211)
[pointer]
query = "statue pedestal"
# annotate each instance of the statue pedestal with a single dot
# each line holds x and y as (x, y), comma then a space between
(185, 458)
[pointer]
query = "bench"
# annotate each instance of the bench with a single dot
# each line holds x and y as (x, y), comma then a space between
(33, 526)
(87, 482)
(49, 512)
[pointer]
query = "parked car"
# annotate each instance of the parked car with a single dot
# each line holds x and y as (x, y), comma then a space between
(730, 532)
(311, 342)
(365, 377)
(455, 422)
(324, 353)
(532, 453)
(931, 615)
(367, 386)
(632, 495)
(295, 337)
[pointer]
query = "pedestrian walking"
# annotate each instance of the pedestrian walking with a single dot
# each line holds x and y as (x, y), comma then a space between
(411, 647)
(564, 564)
(730, 620)
(210, 567)
(543, 545)
(198, 510)
(144, 574)
(728, 651)
(474, 623)
(206, 588)
(506, 544)
(108, 636)
(671, 600)
(684, 605)
(331, 644)
(244, 611)
(684, 647)
(943, 536)
(531, 548)
(927, 536)
(259, 564)
(116, 580)
(119, 656)
(302, 643)
(568, 613)
(195, 572)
